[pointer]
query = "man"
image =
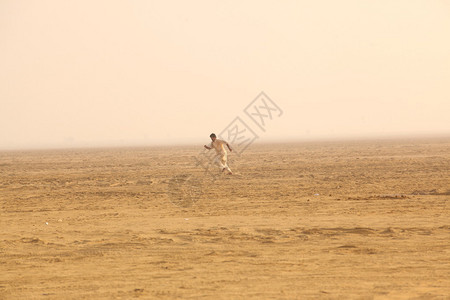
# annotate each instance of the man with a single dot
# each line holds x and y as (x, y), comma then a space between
(221, 153)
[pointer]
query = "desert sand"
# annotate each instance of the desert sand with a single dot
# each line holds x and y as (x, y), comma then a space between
(323, 220)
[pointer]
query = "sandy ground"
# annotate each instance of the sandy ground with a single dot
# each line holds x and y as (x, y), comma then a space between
(361, 220)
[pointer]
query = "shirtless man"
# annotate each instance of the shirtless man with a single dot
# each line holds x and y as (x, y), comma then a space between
(221, 153)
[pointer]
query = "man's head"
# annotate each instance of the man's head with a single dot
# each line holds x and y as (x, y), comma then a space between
(213, 137)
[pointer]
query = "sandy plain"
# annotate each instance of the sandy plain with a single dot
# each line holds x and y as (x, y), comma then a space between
(329, 220)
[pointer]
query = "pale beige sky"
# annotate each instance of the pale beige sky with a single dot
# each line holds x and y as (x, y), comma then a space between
(100, 73)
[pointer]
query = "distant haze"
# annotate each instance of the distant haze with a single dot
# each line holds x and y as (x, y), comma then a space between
(117, 73)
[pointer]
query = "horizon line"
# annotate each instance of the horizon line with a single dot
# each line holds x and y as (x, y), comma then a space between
(267, 141)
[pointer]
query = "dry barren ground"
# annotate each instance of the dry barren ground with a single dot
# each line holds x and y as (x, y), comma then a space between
(334, 220)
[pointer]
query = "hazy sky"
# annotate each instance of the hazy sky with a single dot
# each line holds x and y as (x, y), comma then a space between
(99, 73)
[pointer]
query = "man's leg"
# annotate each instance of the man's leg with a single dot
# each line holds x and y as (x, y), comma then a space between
(218, 161)
(225, 164)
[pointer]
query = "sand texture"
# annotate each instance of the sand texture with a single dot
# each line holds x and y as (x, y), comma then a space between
(331, 220)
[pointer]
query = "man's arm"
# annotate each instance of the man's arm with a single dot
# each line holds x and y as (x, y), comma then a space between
(229, 148)
(209, 148)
